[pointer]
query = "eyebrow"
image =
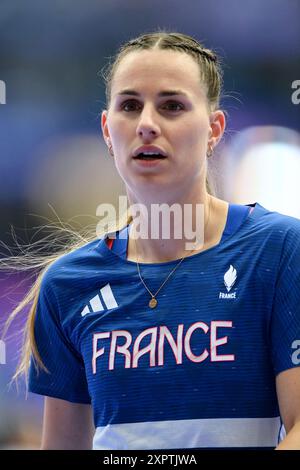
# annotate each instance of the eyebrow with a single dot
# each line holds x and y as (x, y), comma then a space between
(161, 93)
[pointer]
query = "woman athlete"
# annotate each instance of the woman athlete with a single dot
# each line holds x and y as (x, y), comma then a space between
(142, 342)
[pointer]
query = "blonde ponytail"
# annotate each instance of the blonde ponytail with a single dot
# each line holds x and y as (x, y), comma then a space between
(30, 260)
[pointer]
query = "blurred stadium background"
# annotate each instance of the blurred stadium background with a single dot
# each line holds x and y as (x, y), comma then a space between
(51, 150)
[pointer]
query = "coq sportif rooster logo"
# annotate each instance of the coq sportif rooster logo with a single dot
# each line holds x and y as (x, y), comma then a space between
(229, 280)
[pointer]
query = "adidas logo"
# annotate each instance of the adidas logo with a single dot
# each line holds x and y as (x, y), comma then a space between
(95, 305)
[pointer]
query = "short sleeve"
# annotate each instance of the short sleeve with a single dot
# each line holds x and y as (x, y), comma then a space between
(285, 319)
(66, 377)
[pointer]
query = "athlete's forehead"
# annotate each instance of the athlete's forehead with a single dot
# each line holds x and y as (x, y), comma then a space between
(159, 72)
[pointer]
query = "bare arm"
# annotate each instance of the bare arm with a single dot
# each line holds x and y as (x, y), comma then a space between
(66, 425)
(288, 392)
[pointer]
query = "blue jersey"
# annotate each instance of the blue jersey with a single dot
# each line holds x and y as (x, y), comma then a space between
(199, 369)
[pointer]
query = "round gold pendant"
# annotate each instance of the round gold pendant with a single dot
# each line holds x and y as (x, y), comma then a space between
(153, 303)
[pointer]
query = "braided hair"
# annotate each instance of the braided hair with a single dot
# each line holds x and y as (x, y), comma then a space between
(209, 65)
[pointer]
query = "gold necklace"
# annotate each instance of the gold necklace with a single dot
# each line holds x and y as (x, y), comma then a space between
(153, 301)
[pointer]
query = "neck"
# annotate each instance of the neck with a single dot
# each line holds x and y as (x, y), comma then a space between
(165, 240)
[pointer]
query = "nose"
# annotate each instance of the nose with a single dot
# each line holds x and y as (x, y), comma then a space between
(148, 127)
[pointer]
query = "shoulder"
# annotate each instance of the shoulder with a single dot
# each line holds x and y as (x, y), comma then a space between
(71, 277)
(281, 232)
(275, 222)
(73, 265)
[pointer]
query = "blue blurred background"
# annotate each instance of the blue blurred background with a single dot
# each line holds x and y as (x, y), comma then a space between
(51, 149)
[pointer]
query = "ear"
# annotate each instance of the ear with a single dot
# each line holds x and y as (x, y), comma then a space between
(104, 126)
(217, 127)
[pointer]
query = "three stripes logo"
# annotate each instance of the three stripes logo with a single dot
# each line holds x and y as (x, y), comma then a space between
(104, 300)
